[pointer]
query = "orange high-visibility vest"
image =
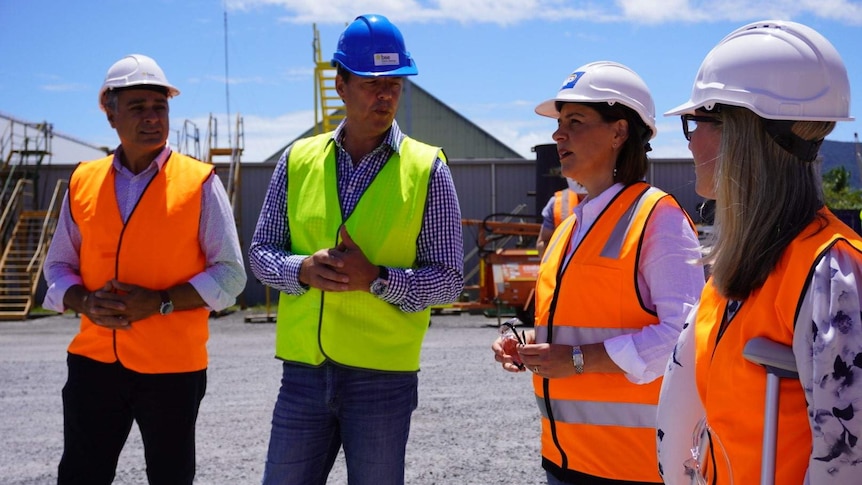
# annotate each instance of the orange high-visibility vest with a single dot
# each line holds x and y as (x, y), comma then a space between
(156, 248)
(599, 424)
(733, 389)
(564, 204)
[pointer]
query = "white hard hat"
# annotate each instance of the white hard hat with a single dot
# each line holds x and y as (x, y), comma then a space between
(778, 69)
(604, 81)
(136, 70)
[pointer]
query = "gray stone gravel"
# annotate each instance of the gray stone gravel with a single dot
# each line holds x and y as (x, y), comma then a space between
(475, 424)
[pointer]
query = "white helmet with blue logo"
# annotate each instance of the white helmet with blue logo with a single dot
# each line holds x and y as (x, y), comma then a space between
(604, 81)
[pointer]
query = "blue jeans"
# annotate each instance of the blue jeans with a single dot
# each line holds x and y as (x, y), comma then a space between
(321, 409)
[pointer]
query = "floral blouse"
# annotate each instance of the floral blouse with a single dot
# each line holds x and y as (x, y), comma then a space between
(827, 346)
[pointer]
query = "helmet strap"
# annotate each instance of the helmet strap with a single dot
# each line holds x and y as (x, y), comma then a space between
(781, 133)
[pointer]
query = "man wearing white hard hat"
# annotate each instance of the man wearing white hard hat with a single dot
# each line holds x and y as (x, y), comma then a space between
(146, 246)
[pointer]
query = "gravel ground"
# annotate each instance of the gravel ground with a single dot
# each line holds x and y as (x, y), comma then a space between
(475, 423)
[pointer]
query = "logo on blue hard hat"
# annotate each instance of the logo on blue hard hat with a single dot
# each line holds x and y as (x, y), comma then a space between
(387, 59)
(572, 80)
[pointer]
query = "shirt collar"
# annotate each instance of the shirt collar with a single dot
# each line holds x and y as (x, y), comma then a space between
(393, 138)
(160, 159)
(590, 207)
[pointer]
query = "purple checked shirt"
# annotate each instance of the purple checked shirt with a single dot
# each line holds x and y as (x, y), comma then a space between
(438, 277)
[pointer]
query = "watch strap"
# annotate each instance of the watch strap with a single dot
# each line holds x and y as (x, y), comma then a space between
(380, 285)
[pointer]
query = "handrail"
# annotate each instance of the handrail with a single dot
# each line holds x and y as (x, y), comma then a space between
(15, 203)
(235, 154)
(211, 136)
(50, 222)
(191, 132)
(10, 176)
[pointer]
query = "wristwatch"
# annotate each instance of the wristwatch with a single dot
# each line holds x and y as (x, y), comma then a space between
(578, 359)
(380, 284)
(167, 305)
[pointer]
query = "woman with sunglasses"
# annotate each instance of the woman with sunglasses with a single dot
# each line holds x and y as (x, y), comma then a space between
(615, 284)
(782, 267)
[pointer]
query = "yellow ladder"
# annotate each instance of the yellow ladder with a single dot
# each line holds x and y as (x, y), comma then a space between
(328, 107)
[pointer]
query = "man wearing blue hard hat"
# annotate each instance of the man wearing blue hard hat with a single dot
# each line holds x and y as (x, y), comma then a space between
(360, 232)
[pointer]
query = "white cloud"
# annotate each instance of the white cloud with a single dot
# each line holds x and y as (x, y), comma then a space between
(238, 80)
(64, 87)
(510, 12)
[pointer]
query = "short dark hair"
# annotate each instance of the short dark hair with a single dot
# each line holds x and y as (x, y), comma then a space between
(343, 72)
(109, 99)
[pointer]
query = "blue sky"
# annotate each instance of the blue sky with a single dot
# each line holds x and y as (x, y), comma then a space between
(492, 61)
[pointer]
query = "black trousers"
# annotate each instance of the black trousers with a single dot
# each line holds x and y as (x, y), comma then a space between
(100, 403)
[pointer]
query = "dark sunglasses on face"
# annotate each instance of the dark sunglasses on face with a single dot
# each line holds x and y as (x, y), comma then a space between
(689, 123)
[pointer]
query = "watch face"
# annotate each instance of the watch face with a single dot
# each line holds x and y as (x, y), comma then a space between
(378, 286)
(167, 307)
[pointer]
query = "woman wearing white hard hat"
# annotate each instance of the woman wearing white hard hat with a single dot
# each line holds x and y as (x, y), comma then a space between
(783, 268)
(616, 281)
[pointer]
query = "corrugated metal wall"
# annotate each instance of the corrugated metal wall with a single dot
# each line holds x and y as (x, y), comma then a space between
(485, 187)
(676, 177)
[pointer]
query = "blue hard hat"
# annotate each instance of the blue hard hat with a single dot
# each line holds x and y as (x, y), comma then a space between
(373, 46)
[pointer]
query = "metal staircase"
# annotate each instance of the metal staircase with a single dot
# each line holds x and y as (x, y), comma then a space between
(189, 143)
(24, 250)
(328, 107)
(25, 230)
(189, 140)
(236, 145)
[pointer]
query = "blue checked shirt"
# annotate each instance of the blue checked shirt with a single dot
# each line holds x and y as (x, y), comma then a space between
(438, 277)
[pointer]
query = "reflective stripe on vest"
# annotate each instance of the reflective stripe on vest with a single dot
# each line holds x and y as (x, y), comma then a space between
(354, 328)
(158, 247)
(733, 389)
(598, 424)
(629, 415)
(564, 205)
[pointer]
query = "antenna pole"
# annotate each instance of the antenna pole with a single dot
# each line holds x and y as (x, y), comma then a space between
(227, 83)
(858, 154)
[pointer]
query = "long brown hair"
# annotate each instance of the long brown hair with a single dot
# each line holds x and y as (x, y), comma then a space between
(765, 197)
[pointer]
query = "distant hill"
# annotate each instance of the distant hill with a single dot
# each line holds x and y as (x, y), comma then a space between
(841, 153)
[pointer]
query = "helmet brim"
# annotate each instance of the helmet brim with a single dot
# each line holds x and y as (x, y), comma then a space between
(402, 71)
(548, 108)
(686, 108)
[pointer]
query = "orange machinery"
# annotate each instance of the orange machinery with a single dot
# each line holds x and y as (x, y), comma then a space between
(507, 271)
